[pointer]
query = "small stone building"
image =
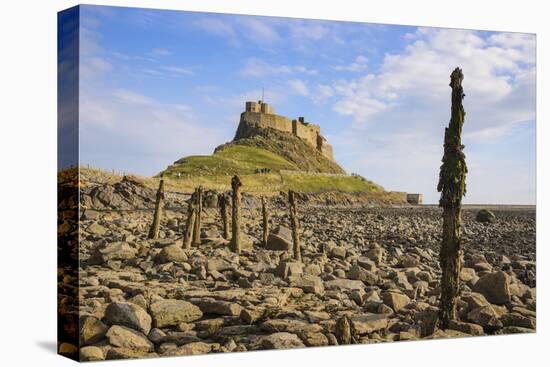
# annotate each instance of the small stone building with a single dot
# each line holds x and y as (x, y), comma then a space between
(415, 199)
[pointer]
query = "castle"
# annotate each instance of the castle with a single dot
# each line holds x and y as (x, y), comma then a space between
(260, 114)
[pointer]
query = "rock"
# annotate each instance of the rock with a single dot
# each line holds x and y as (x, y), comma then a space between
(121, 336)
(486, 317)
(515, 319)
(289, 268)
(281, 340)
(156, 335)
(88, 354)
(395, 300)
(475, 300)
(338, 252)
(96, 229)
(171, 312)
(495, 287)
(342, 283)
(190, 349)
(367, 264)
(117, 251)
(366, 324)
(376, 254)
(315, 339)
(516, 330)
(280, 239)
(485, 216)
(128, 314)
(310, 284)
(172, 253)
(408, 261)
(465, 327)
(92, 330)
(216, 307)
(125, 353)
(358, 273)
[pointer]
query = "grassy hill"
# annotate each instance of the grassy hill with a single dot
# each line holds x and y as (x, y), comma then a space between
(267, 161)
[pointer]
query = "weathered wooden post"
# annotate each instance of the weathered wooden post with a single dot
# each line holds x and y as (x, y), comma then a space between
(224, 214)
(191, 216)
(155, 226)
(198, 214)
(452, 185)
(294, 225)
(265, 222)
(236, 215)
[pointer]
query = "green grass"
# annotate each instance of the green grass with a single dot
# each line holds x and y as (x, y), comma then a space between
(231, 160)
(308, 183)
(290, 161)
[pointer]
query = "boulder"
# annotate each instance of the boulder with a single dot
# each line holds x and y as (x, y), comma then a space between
(486, 317)
(216, 307)
(309, 284)
(395, 300)
(172, 253)
(342, 283)
(117, 251)
(495, 287)
(289, 268)
(171, 312)
(92, 330)
(466, 327)
(280, 239)
(485, 216)
(366, 324)
(121, 336)
(338, 252)
(358, 273)
(282, 340)
(88, 354)
(190, 349)
(128, 314)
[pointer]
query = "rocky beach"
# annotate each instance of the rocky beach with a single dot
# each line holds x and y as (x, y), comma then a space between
(369, 274)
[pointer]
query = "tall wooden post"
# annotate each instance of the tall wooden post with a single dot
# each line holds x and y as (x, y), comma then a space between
(155, 226)
(452, 185)
(265, 222)
(190, 224)
(225, 215)
(236, 214)
(295, 226)
(198, 214)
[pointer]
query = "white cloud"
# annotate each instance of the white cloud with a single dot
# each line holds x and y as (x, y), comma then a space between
(259, 30)
(399, 112)
(132, 97)
(178, 70)
(161, 52)
(359, 64)
(299, 87)
(259, 69)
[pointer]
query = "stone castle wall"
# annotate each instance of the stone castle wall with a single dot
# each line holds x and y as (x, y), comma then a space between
(260, 114)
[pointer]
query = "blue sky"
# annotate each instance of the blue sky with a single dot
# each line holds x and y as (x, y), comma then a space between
(157, 85)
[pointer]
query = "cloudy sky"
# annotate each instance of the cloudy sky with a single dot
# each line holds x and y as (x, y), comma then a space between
(159, 85)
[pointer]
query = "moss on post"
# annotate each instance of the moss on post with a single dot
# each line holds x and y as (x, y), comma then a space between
(295, 226)
(452, 186)
(236, 215)
(223, 203)
(265, 222)
(155, 226)
(198, 213)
